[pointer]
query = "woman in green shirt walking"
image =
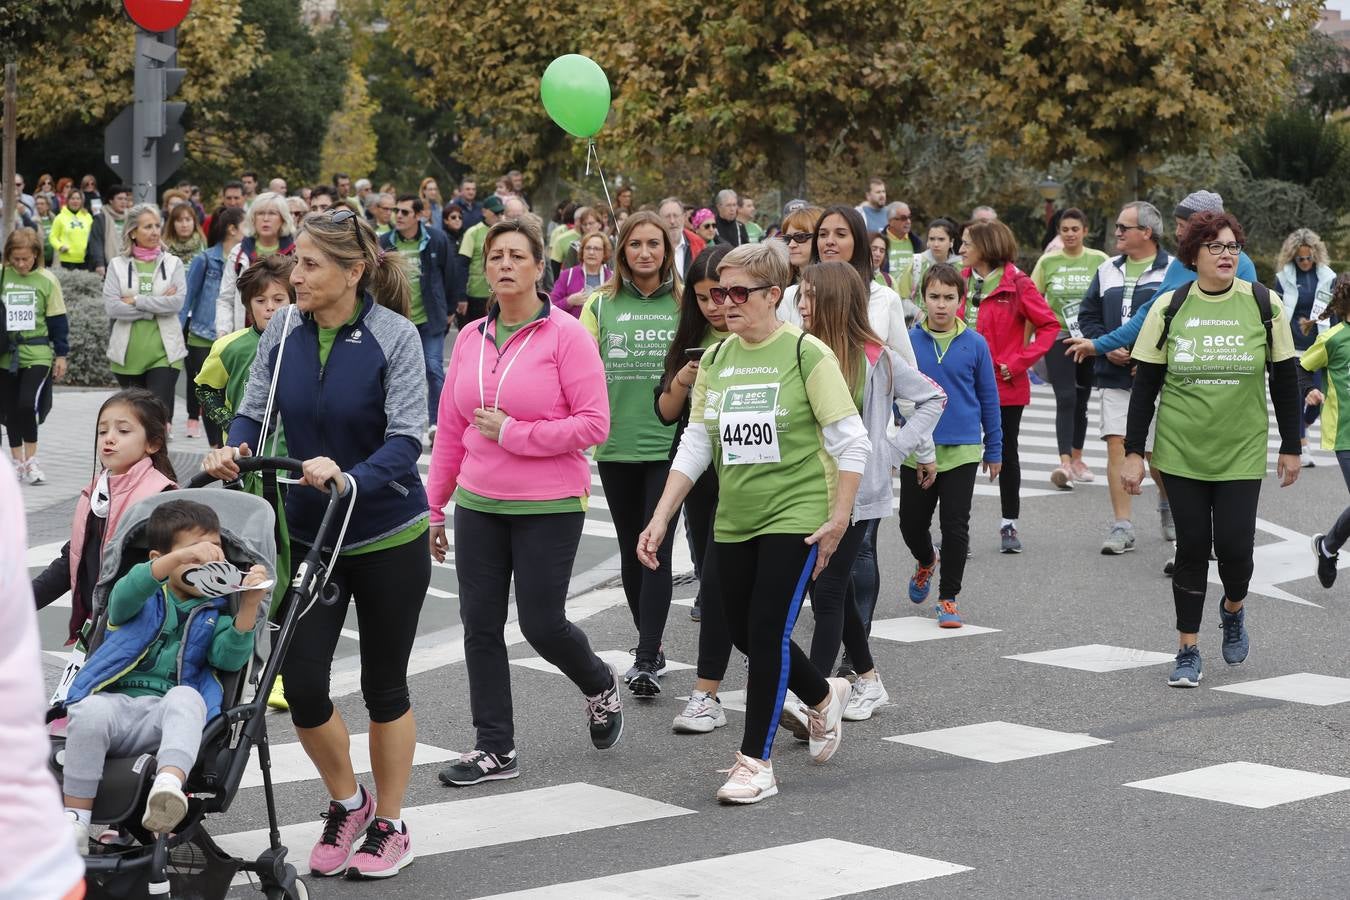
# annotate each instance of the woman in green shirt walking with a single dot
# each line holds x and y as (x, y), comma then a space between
(35, 322)
(633, 319)
(1208, 359)
(143, 290)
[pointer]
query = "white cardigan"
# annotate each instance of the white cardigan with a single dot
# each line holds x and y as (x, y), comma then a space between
(159, 305)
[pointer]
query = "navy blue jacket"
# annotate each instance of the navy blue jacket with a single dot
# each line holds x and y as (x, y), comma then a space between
(366, 410)
(1101, 310)
(438, 274)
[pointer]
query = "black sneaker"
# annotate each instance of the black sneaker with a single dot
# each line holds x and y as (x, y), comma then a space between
(646, 683)
(696, 611)
(1326, 565)
(478, 766)
(604, 714)
(846, 670)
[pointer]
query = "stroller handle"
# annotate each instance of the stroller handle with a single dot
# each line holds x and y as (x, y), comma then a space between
(248, 464)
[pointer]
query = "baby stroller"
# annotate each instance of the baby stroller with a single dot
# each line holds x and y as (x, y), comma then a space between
(189, 864)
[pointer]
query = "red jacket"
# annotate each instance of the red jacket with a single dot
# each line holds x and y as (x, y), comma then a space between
(1002, 322)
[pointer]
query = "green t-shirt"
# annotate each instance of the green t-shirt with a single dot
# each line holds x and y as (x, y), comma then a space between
(266, 251)
(1133, 269)
(561, 240)
(754, 231)
(29, 300)
(503, 331)
(472, 247)
(741, 386)
(397, 539)
(156, 671)
(227, 368)
(1331, 351)
(1064, 280)
(634, 333)
(1212, 420)
(145, 348)
(981, 288)
(412, 252)
(900, 254)
(328, 335)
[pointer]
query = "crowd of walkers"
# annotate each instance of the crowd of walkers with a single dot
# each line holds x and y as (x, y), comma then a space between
(777, 386)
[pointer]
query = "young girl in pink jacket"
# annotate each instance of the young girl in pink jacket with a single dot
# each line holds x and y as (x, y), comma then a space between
(524, 398)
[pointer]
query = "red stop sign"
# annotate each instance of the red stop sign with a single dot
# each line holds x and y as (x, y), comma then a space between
(157, 15)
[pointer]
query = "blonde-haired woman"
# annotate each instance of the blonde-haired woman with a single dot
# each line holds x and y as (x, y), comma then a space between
(632, 318)
(360, 425)
(1304, 281)
(269, 228)
(143, 290)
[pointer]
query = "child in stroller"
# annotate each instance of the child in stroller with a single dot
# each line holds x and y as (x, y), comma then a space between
(152, 684)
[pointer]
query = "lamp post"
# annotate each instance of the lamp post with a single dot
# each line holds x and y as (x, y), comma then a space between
(1050, 190)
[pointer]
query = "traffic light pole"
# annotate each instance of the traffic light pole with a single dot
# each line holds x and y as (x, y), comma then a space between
(144, 179)
(154, 120)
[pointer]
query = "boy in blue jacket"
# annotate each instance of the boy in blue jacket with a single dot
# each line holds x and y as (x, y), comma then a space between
(151, 686)
(958, 359)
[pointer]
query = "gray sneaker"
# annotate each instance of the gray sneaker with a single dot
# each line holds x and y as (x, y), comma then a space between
(1120, 540)
(1169, 529)
(1008, 541)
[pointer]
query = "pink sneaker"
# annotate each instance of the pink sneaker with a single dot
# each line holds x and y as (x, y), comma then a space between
(194, 428)
(334, 850)
(384, 854)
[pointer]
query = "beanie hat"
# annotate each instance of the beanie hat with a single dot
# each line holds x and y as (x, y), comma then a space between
(702, 216)
(1199, 201)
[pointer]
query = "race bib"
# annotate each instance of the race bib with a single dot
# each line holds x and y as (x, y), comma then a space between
(1319, 306)
(73, 666)
(20, 310)
(748, 425)
(1071, 318)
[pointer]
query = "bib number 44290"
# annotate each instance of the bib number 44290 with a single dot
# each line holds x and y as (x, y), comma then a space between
(748, 425)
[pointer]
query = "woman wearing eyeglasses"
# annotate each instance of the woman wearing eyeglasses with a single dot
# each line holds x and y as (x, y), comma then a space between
(352, 391)
(1304, 280)
(1207, 348)
(779, 423)
(267, 230)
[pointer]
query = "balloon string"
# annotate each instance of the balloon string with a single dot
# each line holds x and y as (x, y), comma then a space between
(604, 182)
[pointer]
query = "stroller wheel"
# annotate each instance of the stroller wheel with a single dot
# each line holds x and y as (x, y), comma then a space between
(299, 892)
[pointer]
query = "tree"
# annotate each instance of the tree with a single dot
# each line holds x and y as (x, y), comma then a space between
(1319, 68)
(1298, 145)
(349, 145)
(1106, 86)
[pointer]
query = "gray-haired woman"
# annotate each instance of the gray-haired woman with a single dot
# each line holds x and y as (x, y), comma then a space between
(269, 228)
(1304, 280)
(143, 290)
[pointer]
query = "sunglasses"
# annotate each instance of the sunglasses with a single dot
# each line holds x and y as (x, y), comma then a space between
(737, 295)
(342, 215)
(797, 237)
(1303, 259)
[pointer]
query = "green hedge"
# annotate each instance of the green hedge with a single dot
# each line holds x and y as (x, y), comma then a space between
(89, 328)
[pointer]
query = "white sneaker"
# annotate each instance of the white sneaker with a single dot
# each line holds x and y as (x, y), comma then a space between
(80, 832)
(793, 718)
(826, 727)
(32, 473)
(866, 696)
(701, 714)
(748, 781)
(1306, 460)
(165, 808)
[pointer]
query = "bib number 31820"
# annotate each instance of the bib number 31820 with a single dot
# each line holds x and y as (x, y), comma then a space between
(748, 425)
(20, 310)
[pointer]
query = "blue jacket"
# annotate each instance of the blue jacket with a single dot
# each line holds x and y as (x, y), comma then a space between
(1175, 276)
(203, 286)
(366, 410)
(966, 373)
(124, 645)
(438, 274)
(1102, 308)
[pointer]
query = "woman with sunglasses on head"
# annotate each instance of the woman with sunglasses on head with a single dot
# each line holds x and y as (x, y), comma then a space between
(1208, 350)
(633, 319)
(841, 236)
(1002, 304)
(702, 325)
(775, 416)
(351, 389)
(1304, 281)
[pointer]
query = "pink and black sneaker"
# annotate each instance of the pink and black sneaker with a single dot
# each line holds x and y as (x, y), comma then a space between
(334, 851)
(385, 852)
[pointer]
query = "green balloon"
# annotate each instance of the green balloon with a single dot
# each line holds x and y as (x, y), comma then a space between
(575, 91)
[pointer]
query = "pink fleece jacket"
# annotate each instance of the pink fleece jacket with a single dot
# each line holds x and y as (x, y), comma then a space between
(550, 382)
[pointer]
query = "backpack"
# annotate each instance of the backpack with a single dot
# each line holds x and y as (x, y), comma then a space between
(1259, 291)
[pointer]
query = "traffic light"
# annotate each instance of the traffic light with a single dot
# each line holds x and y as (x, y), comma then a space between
(157, 79)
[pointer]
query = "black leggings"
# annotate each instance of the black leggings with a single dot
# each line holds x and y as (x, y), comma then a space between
(866, 582)
(25, 399)
(1010, 476)
(833, 602)
(763, 583)
(1221, 514)
(161, 382)
(632, 490)
(487, 548)
(1073, 386)
(192, 366)
(714, 644)
(388, 587)
(953, 490)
